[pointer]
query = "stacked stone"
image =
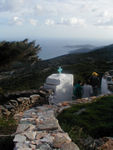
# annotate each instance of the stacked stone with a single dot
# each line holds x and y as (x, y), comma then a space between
(21, 104)
(39, 130)
(77, 101)
(86, 100)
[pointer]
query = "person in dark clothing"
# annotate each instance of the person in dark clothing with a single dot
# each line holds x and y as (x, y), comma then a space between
(77, 91)
(94, 81)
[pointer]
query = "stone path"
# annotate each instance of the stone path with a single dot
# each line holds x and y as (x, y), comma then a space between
(39, 130)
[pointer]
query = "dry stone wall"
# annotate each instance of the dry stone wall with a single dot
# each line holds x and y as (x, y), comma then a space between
(20, 104)
(39, 129)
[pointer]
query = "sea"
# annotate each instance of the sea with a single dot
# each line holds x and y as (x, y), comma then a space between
(53, 47)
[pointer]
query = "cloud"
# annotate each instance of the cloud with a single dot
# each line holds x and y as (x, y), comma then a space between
(33, 22)
(105, 24)
(39, 7)
(49, 22)
(72, 21)
(84, 11)
(11, 5)
(105, 19)
(16, 21)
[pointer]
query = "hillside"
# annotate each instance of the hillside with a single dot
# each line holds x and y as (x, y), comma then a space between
(25, 76)
(99, 60)
(87, 124)
(81, 48)
(100, 53)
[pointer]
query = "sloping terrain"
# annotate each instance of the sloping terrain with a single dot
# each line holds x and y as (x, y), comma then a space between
(24, 76)
(89, 121)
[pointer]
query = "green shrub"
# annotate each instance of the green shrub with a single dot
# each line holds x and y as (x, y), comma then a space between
(96, 120)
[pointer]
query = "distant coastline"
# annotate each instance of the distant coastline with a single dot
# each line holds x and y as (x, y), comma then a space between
(56, 47)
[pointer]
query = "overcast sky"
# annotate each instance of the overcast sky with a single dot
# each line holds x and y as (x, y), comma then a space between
(56, 18)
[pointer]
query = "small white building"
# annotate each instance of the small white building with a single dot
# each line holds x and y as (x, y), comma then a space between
(62, 84)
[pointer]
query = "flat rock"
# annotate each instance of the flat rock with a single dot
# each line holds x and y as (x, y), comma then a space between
(69, 146)
(43, 147)
(22, 145)
(40, 135)
(19, 138)
(51, 124)
(60, 138)
(27, 121)
(30, 135)
(47, 139)
(22, 127)
(44, 108)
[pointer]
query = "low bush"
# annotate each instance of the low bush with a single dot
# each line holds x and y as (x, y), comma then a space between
(96, 119)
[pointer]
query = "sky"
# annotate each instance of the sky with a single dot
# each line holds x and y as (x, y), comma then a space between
(86, 19)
